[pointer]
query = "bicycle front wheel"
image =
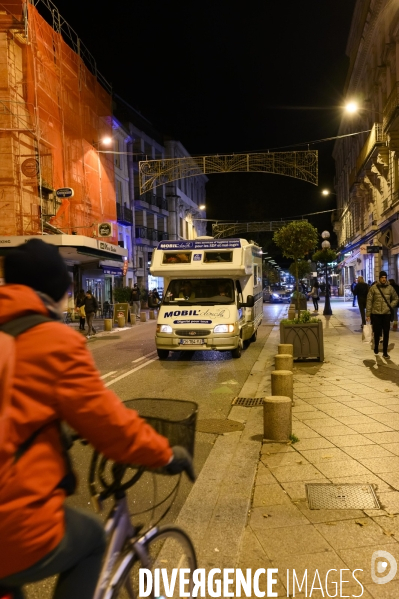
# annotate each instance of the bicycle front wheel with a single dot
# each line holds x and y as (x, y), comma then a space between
(164, 550)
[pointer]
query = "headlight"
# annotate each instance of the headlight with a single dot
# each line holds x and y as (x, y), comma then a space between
(275, 295)
(224, 328)
(164, 328)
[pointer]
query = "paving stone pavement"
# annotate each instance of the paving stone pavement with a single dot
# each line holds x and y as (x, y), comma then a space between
(248, 508)
(346, 417)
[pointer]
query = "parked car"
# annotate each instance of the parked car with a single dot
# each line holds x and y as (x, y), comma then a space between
(276, 296)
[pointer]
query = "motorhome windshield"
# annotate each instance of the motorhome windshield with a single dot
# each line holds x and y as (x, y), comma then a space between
(201, 292)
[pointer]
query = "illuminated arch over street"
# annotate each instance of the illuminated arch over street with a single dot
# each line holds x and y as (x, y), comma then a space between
(301, 165)
(234, 229)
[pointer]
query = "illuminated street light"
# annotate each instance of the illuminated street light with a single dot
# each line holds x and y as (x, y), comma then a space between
(202, 207)
(351, 107)
(106, 141)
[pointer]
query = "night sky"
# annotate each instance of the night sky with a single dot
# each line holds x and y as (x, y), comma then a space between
(226, 77)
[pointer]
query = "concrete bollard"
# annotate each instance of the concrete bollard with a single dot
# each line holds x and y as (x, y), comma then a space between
(107, 324)
(282, 383)
(143, 316)
(121, 322)
(277, 418)
(152, 314)
(285, 348)
(284, 362)
(291, 312)
(132, 318)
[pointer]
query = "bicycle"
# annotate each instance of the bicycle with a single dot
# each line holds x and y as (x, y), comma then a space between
(128, 549)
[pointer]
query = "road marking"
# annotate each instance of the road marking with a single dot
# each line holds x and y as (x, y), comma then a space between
(122, 376)
(143, 357)
(104, 376)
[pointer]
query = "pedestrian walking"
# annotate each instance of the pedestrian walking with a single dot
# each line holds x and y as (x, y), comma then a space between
(135, 299)
(314, 294)
(395, 314)
(80, 307)
(361, 291)
(91, 307)
(353, 286)
(381, 299)
(52, 376)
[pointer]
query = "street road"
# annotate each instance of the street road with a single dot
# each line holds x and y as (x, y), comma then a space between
(129, 365)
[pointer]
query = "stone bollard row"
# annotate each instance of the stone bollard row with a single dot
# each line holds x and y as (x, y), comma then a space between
(277, 418)
(143, 316)
(284, 362)
(132, 318)
(107, 324)
(152, 314)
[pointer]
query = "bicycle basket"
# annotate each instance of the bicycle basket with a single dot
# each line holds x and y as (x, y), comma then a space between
(175, 419)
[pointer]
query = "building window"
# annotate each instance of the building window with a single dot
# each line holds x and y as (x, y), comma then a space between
(119, 194)
(140, 262)
(117, 157)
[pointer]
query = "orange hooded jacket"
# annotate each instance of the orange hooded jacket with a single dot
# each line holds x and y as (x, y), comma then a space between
(55, 378)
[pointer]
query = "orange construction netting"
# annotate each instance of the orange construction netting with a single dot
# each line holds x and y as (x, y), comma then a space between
(51, 122)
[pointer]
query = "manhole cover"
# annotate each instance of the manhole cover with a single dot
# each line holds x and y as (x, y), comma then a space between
(218, 426)
(341, 497)
(247, 402)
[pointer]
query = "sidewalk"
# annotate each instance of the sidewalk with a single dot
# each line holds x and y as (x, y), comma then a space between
(98, 324)
(346, 417)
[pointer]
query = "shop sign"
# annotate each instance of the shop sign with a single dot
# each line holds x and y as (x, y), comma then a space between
(363, 249)
(121, 310)
(373, 249)
(30, 167)
(125, 267)
(65, 192)
(105, 229)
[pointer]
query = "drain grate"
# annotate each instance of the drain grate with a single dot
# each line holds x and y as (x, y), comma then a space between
(218, 426)
(247, 402)
(341, 497)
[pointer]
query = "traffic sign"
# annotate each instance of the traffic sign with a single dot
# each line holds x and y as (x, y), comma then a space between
(373, 249)
(65, 192)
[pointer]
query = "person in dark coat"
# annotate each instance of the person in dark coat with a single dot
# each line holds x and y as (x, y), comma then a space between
(381, 299)
(360, 291)
(353, 286)
(91, 307)
(80, 302)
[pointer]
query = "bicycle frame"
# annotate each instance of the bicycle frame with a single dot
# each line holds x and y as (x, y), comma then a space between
(118, 529)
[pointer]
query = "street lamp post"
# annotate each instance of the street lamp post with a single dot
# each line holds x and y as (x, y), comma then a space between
(327, 305)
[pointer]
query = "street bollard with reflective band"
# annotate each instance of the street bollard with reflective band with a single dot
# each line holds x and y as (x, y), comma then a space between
(284, 362)
(277, 418)
(282, 383)
(107, 324)
(143, 316)
(285, 348)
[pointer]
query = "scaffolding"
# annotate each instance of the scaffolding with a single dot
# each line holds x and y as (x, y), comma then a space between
(54, 109)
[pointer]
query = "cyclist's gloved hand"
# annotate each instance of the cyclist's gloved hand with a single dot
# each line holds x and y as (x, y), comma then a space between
(181, 461)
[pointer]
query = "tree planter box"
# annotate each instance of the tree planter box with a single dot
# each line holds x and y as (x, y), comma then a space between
(307, 339)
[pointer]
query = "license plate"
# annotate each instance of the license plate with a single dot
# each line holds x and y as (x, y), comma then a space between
(192, 341)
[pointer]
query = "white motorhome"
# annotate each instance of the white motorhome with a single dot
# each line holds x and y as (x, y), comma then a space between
(212, 294)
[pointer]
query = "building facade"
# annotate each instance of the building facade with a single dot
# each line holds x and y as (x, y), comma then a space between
(367, 163)
(54, 183)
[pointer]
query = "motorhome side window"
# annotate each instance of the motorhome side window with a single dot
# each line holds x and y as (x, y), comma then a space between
(176, 257)
(218, 257)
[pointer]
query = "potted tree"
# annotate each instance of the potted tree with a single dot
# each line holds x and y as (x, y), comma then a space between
(301, 268)
(296, 240)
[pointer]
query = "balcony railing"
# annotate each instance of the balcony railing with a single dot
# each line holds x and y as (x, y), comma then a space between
(391, 106)
(124, 215)
(151, 199)
(376, 137)
(150, 234)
